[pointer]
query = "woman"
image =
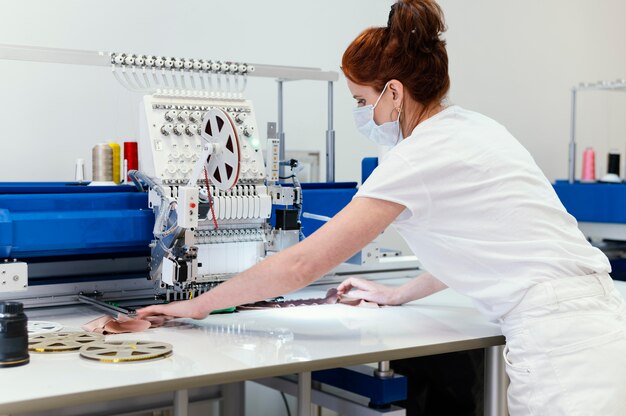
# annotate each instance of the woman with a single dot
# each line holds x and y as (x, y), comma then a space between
(478, 212)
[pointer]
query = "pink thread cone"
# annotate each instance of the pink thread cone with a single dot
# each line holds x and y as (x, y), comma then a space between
(589, 166)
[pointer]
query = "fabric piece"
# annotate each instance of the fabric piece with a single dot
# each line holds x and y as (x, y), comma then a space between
(332, 297)
(480, 215)
(123, 324)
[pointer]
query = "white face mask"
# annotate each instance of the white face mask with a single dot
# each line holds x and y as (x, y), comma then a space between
(386, 134)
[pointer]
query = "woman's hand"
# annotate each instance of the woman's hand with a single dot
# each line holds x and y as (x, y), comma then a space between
(181, 309)
(370, 291)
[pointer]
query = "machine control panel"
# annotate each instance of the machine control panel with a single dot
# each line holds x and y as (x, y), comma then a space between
(171, 137)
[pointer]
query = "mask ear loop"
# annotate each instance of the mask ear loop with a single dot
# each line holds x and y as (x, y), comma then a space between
(381, 95)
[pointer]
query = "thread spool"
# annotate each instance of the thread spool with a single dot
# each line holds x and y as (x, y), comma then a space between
(116, 161)
(102, 163)
(131, 158)
(613, 168)
(79, 170)
(613, 163)
(589, 166)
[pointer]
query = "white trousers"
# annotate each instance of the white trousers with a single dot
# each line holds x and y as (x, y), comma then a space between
(565, 349)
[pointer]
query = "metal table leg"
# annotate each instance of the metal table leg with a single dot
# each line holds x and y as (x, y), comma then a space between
(304, 394)
(181, 402)
(233, 399)
(496, 382)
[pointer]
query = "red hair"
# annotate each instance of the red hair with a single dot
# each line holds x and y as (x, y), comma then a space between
(409, 50)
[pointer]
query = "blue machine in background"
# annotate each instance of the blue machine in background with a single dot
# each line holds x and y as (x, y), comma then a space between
(325, 199)
(594, 202)
(599, 210)
(59, 219)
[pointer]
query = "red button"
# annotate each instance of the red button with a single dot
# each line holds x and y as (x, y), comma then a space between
(192, 205)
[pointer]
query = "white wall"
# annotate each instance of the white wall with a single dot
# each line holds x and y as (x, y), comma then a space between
(517, 60)
(512, 60)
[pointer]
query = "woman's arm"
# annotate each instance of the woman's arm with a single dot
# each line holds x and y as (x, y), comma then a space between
(423, 285)
(346, 233)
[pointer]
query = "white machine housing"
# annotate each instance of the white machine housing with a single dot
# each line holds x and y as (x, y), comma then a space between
(169, 148)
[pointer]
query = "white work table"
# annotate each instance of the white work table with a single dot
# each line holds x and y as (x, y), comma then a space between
(247, 345)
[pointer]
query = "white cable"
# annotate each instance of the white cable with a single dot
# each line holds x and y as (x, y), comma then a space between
(181, 75)
(192, 77)
(164, 77)
(118, 78)
(128, 81)
(146, 79)
(173, 76)
(154, 76)
(136, 76)
(201, 76)
(245, 83)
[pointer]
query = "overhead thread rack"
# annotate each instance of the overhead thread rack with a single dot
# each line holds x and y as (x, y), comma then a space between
(140, 70)
(617, 85)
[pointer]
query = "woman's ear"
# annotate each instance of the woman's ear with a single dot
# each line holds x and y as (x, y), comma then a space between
(397, 91)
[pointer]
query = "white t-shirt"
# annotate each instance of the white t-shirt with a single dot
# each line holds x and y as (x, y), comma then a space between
(480, 215)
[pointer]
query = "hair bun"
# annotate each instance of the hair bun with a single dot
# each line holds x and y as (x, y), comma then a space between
(416, 25)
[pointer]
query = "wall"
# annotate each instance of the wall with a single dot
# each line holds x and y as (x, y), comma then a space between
(514, 61)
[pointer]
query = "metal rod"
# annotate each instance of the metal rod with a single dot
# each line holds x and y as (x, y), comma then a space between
(280, 128)
(617, 85)
(496, 382)
(103, 58)
(110, 309)
(384, 370)
(572, 144)
(304, 394)
(330, 138)
(181, 402)
(234, 399)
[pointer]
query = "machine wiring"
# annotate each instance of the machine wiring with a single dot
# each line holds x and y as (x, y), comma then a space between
(208, 192)
(286, 404)
(165, 208)
(295, 169)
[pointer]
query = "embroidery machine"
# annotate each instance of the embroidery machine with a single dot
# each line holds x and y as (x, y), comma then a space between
(206, 203)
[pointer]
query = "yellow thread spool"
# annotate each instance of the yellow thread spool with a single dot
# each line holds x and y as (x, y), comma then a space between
(116, 162)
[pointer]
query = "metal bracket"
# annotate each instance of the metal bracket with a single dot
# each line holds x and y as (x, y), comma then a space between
(106, 307)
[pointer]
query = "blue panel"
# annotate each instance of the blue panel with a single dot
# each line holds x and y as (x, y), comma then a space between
(593, 202)
(59, 188)
(326, 201)
(6, 233)
(368, 164)
(362, 382)
(48, 220)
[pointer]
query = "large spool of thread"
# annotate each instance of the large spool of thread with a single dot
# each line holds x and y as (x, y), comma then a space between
(116, 161)
(102, 163)
(613, 163)
(131, 159)
(589, 166)
(613, 168)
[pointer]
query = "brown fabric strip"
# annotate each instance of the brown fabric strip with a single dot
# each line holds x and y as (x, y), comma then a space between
(332, 297)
